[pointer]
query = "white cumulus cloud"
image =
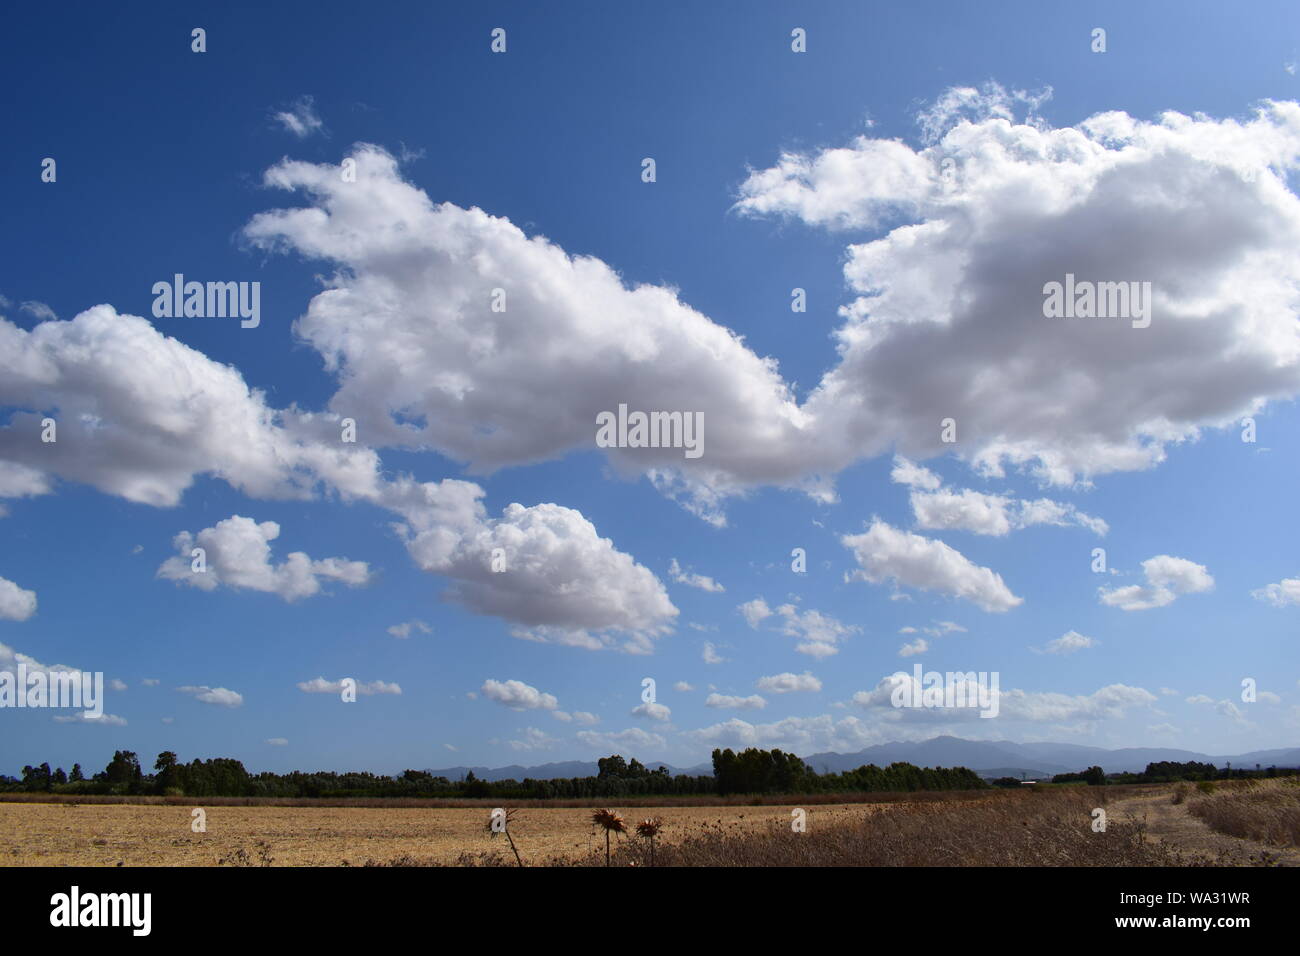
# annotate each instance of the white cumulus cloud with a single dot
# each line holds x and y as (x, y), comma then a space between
(1167, 577)
(237, 554)
(886, 553)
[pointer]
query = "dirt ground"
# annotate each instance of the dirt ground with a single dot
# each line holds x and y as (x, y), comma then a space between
(39, 834)
(1172, 824)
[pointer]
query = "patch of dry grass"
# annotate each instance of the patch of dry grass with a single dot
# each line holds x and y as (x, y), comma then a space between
(1032, 829)
(1050, 828)
(1267, 811)
(54, 834)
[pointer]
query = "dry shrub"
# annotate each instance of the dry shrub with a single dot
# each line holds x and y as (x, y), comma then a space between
(1269, 812)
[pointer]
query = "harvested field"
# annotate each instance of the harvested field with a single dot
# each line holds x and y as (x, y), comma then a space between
(1049, 826)
(45, 834)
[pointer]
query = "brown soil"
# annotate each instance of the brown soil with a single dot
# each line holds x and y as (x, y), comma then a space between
(1172, 823)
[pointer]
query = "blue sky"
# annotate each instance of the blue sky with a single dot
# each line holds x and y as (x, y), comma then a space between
(161, 156)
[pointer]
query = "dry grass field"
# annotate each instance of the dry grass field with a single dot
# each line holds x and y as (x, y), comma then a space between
(58, 834)
(1231, 825)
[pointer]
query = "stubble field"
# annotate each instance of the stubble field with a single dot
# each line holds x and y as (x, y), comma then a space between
(1244, 823)
(42, 834)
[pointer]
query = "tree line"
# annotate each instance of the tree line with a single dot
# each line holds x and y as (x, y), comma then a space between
(752, 771)
(771, 771)
(1171, 771)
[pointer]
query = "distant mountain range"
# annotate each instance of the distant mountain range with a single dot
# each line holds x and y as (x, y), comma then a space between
(1005, 758)
(988, 758)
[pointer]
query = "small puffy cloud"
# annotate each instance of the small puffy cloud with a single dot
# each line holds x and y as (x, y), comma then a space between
(116, 684)
(690, 579)
(300, 119)
(403, 630)
(725, 701)
(710, 654)
(319, 685)
(1167, 578)
(886, 553)
(517, 695)
(237, 553)
(682, 687)
(907, 472)
(944, 509)
(788, 683)
(1068, 643)
(1200, 699)
(818, 634)
(980, 513)
(218, 696)
(16, 604)
(913, 648)
(1285, 593)
(652, 711)
(151, 682)
(755, 612)
(277, 741)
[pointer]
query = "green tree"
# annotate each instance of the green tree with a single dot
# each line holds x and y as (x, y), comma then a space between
(169, 771)
(123, 771)
(613, 766)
